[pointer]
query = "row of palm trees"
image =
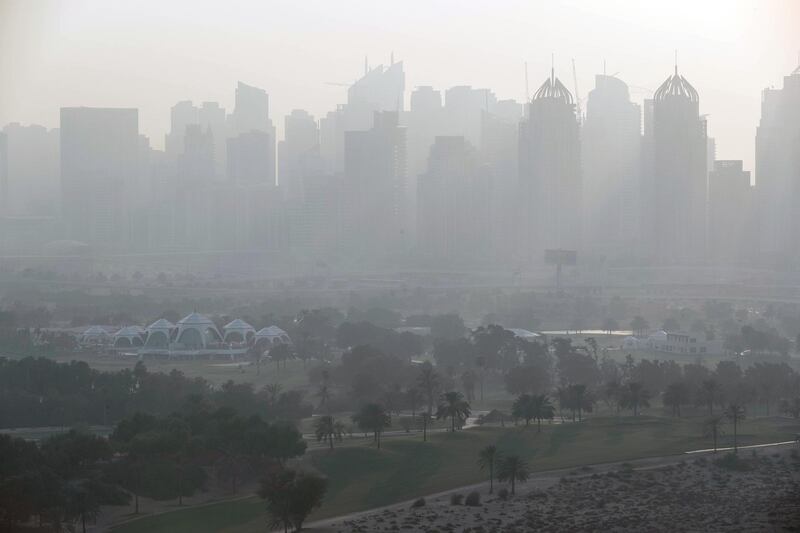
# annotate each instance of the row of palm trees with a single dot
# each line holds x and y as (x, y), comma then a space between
(374, 418)
(511, 468)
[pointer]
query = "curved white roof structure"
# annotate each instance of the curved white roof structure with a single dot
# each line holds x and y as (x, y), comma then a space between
(129, 336)
(161, 324)
(197, 332)
(272, 335)
(195, 319)
(238, 331)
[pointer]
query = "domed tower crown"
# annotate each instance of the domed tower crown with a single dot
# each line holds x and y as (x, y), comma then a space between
(676, 86)
(553, 89)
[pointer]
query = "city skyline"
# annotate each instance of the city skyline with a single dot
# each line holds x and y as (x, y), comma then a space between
(720, 46)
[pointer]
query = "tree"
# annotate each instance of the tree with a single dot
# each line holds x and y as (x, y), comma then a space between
(373, 417)
(487, 459)
(468, 379)
(578, 399)
(612, 394)
(635, 396)
(735, 413)
(791, 407)
(291, 495)
(429, 382)
(708, 394)
(280, 353)
(449, 326)
(536, 407)
(452, 405)
(327, 429)
(592, 343)
(639, 325)
(512, 468)
(609, 325)
(675, 395)
(713, 427)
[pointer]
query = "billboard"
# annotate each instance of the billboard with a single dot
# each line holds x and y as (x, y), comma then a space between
(561, 257)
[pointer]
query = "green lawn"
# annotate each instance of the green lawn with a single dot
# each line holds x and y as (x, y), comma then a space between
(362, 477)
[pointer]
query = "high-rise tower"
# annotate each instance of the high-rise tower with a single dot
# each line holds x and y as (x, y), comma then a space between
(549, 173)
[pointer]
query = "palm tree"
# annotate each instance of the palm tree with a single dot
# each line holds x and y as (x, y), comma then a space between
(487, 458)
(429, 382)
(542, 408)
(326, 428)
(713, 427)
(453, 405)
(522, 408)
(635, 396)
(373, 417)
(533, 407)
(675, 395)
(512, 468)
(735, 413)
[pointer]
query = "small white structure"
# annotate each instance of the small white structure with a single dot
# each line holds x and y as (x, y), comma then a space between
(129, 337)
(679, 342)
(95, 336)
(524, 334)
(159, 334)
(632, 343)
(197, 332)
(238, 331)
(271, 336)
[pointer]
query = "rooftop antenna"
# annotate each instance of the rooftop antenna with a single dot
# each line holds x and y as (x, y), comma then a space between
(527, 92)
(676, 61)
(552, 67)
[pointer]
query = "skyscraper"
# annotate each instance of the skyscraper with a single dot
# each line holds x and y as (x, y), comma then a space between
(249, 158)
(374, 182)
(99, 149)
(299, 155)
(610, 149)
(32, 170)
(778, 171)
(380, 89)
(454, 205)
(679, 190)
(251, 114)
(730, 214)
(549, 173)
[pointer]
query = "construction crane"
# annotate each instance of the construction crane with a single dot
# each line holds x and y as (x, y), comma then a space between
(577, 96)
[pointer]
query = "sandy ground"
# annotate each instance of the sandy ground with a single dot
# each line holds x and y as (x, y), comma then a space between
(678, 493)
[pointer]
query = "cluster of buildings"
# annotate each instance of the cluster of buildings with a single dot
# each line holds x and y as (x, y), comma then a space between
(458, 179)
(676, 343)
(195, 335)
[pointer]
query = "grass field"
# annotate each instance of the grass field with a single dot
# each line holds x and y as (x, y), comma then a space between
(361, 477)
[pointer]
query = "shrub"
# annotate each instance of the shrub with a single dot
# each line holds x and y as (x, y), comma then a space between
(473, 499)
(502, 494)
(420, 502)
(456, 499)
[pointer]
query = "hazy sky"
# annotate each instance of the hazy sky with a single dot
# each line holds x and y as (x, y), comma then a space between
(151, 54)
